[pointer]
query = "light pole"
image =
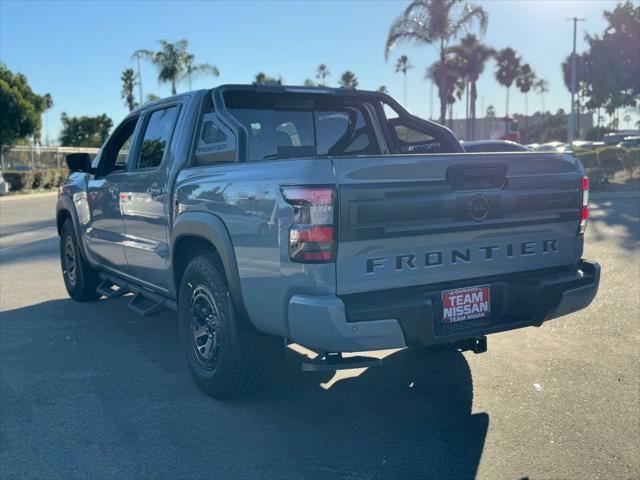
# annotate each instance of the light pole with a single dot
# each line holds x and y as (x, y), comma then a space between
(572, 117)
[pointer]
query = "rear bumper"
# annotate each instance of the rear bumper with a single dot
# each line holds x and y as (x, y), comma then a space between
(411, 316)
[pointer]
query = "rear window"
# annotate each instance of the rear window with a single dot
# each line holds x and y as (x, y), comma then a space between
(306, 129)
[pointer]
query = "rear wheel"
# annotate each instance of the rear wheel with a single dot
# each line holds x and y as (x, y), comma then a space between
(80, 279)
(209, 332)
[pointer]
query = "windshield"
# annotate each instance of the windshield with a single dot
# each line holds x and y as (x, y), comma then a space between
(305, 132)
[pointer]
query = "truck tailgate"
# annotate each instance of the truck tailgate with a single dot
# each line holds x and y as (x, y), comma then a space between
(416, 220)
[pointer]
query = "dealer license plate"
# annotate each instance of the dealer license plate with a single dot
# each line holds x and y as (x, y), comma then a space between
(469, 303)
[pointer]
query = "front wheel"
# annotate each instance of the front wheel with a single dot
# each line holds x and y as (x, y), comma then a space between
(209, 332)
(80, 280)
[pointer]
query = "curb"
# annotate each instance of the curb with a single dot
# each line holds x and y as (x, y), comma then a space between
(28, 196)
(614, 195)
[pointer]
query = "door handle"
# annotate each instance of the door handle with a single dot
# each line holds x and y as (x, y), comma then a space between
(155, 190)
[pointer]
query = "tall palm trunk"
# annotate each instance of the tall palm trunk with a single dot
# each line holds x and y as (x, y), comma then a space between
(442, 95)
(173, 86)
(405, 89)
(472, 108)
(466, 114)
(507, 113)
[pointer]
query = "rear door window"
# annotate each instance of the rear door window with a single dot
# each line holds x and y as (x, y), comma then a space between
(157, 136)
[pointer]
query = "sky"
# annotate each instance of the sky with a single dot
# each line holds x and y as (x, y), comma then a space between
(77, 50)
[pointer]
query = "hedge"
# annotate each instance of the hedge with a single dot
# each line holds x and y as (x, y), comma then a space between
(27, 180)
(603, 163)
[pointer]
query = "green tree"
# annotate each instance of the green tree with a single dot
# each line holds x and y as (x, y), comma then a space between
(20, 108)
(309, 83)
(431, 22)
(402, 65)
(191, 68)
(508, 67)
(612, 73)
(262, 78)
(151, 97)
(348, 80)
(85, 131)
(129, 82)
(322, 72)
(475, 55)
(383, 89)
(554, 128)
(491, 112)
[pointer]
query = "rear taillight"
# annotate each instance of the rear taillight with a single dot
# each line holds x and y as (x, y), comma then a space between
(312, 236)
(584, 215)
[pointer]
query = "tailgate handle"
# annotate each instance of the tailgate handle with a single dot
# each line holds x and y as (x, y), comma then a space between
(475, 177)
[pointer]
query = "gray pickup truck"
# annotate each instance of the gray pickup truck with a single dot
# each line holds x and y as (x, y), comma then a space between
(331, 218)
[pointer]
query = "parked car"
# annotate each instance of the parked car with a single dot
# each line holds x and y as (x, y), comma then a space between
(386, 234)
(477, 146)
(630, 142)
(553, 147)
(617, 137)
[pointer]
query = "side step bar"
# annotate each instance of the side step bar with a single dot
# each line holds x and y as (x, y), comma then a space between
(144, 302)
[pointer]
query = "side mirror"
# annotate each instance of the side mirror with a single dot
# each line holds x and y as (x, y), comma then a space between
(79, 162)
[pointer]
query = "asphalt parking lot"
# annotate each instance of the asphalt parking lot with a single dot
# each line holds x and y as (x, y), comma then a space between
(94, 391)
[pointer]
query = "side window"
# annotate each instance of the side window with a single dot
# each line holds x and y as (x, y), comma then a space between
(116, 150)
(215, 143)
(157, 136)
(410, 140)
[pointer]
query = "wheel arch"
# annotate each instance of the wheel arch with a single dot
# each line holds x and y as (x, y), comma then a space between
(205, 232)
(195, 233)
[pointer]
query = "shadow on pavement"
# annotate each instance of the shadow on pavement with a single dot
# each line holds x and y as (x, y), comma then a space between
(624, 213)
(94, 391)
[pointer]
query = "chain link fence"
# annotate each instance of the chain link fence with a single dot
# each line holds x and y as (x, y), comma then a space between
(27, 157)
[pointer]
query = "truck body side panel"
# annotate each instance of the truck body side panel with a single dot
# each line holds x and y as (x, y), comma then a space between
(247, 199)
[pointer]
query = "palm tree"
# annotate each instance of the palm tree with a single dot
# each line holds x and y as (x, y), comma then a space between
(541, 86)
(48, 105)
(171, 61)
(348, 80)
(508, 67)
(191, 68)
(402, 65)
(475, 55)
(435, 22)
(524, 82)
(448, 77)
(129, 81)
(322, 72)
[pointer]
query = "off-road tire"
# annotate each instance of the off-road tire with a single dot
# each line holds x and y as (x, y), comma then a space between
(80, 279)
(224, 376)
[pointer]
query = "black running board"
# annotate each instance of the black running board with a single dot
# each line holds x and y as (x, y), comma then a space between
(335, 361)
(144, 302)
